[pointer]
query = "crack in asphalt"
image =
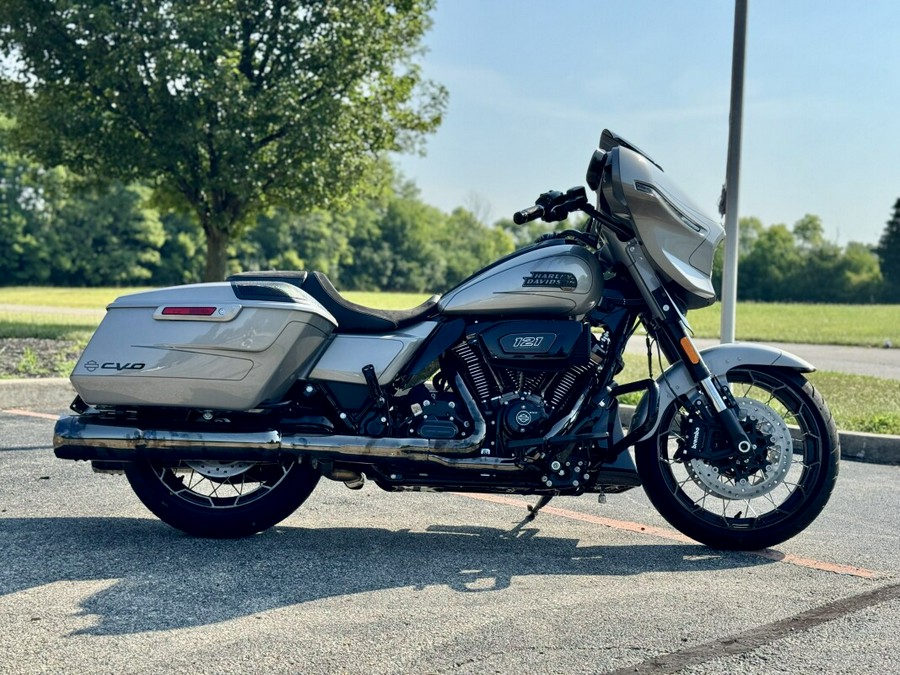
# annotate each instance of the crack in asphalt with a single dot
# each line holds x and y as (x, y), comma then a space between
(754, 638)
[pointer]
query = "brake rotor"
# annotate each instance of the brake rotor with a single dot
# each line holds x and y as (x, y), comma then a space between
(771, 453)
(219, 469)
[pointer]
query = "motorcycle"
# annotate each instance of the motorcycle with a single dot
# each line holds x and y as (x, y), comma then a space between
(225, 403)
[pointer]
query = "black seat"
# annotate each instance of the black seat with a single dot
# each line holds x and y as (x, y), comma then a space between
(353, 318)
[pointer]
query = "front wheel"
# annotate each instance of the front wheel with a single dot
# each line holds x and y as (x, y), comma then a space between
(222, 499)
(753, 500)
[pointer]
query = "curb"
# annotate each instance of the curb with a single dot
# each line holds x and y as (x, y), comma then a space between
(43, 392)
(57, 393)
(872, 448)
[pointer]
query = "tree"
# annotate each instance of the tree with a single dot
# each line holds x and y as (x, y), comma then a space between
(181, 254)
(862, 276)
(227, 108)
(809, 232)
(27, 196)
(749, 230)
(767, 271)
(397, 250)
(467, 245)
(889, 255)
(105, 237)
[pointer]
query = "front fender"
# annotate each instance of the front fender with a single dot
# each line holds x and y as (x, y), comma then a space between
(719, 359)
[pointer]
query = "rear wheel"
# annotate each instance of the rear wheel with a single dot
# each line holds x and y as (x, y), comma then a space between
(222, 499)
(753, 500)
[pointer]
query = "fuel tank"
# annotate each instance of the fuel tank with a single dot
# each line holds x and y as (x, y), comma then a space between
(557, 280)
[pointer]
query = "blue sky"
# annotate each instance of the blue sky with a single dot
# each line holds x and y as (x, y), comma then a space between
(532, 84)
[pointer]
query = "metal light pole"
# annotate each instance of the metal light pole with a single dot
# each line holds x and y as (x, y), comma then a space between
(732, 174)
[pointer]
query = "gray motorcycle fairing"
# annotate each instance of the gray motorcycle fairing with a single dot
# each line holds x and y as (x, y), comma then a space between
(719, 359)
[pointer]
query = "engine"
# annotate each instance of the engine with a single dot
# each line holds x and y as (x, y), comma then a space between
(524, 375)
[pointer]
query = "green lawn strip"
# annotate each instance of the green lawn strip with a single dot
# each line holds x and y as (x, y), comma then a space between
(861, 402)
(386, 300)
(858, 402)
(99, 298)
(862, 325)
(854, 325)
(46, 326)
(76, 298)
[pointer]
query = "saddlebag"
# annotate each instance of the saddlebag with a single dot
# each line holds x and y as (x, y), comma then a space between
(221, 346)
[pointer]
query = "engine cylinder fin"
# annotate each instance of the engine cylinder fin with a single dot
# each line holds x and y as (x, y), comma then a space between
(474, 368)
(535, 383)
(558, 392)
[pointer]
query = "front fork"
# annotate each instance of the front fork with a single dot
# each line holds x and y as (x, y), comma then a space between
(669, 326)
(677, 344)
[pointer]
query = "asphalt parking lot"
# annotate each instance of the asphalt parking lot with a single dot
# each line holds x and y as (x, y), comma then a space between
(370, 582)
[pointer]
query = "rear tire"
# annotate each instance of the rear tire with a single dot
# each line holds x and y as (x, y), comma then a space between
(747, 502)
(222, 499)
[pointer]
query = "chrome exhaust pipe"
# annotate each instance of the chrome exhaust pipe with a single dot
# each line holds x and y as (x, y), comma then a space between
(77, 437)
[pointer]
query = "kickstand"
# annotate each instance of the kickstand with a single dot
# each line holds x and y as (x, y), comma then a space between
(533, 510)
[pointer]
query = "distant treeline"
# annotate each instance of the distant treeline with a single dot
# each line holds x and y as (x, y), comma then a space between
(60, 231)
(798, 264)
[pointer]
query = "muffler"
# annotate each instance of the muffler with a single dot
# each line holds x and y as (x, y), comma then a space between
(90, 438)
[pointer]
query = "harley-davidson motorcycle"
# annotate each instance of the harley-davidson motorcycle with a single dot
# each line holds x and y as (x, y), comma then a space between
(225, 403)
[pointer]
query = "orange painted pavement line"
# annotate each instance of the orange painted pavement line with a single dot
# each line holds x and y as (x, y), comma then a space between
(28, 413)
(627, 526)
(638, 528)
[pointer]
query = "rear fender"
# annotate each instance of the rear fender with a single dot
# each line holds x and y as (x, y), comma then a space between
(676, 382)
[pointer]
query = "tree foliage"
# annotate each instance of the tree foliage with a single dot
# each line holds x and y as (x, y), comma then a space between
(226, 108)
(56, 230)
(889, 255)
(798, 264)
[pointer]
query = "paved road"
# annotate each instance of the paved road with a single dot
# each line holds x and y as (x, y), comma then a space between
(370, 582)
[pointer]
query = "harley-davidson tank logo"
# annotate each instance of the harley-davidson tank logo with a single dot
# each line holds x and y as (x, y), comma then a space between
(564, 281)
(91, 366)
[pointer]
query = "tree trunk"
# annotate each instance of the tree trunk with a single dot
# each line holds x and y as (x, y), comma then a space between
(216, 254)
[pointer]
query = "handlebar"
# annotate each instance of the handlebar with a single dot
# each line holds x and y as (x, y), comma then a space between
(554, 206)
(527, 215)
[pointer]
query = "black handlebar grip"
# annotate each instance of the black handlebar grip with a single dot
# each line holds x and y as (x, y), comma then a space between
(527, 215)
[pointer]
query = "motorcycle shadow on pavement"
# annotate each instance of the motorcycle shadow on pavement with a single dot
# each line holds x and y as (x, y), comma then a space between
(162, 579)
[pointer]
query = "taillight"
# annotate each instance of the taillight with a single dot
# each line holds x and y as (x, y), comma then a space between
(223, 312)
(188, 311)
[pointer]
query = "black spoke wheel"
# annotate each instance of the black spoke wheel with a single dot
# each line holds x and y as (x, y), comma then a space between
(222, 499)
(753, 500)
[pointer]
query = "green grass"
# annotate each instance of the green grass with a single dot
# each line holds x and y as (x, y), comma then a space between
(98, 298)
(47, 326)
(863, 325)
(73, 298)
(78, 326)
(859, 403)
(386, 300)
(855, 325)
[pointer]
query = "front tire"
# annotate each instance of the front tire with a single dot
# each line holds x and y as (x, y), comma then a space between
(752, 501)
(222, 499)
